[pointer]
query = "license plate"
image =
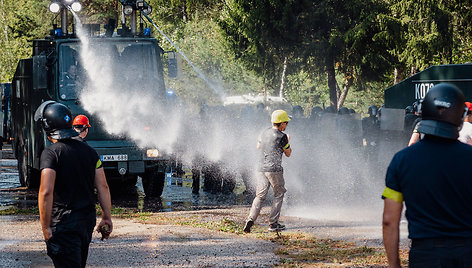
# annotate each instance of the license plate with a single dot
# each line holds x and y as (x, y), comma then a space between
(114, 157)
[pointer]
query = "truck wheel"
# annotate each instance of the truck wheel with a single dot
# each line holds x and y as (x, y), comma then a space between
(29, 177)
(153, 183)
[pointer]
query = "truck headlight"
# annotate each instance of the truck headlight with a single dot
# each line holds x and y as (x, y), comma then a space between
(152, 153)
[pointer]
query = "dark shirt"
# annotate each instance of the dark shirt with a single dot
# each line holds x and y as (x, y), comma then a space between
(75, 163)
(433, 178)
(273, 142)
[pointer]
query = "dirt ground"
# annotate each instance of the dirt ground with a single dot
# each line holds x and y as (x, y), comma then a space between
(146, 245)
(139, 245)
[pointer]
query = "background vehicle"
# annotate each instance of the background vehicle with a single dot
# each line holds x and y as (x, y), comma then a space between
(5, 121)
(55, 72)
(415, 87)
(395, 133)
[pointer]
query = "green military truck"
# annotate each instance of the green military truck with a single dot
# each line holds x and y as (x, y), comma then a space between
(395, 133)
(44, 77)
(415, 88)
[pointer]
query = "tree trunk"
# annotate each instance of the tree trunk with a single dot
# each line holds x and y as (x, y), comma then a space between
(333, 98)
(396, 78)
(282, 83)
(343, 95)
(4, 23)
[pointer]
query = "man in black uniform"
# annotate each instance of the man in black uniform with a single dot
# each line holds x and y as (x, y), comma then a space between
(70, 169)
(432, 178)
(273, 143)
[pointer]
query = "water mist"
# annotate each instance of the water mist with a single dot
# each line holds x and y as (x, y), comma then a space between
(327, 176)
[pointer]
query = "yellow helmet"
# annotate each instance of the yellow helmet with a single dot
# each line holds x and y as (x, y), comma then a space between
(279, 116)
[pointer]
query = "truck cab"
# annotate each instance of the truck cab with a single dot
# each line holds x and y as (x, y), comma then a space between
(55, 72)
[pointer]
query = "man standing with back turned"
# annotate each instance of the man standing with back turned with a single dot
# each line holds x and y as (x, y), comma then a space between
(432, 177)
(70, 169)
(273, 143)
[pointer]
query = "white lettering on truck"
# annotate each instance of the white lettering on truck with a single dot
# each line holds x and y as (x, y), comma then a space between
(422, 89)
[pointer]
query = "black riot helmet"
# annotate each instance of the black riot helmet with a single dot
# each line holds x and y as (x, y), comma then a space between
(297, 111)
(409, 109)
(330, 109)
(442, 111)
(372, 111)
(343, 110)
(56, 120)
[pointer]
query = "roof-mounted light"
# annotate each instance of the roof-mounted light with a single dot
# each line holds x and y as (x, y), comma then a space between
(127, 10)
(147, 10)
(76, 6)
(140, 4)
(54, 7)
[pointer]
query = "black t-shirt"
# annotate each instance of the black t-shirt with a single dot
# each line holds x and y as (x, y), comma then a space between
(273, 142)
(75, 163)
(432, 177)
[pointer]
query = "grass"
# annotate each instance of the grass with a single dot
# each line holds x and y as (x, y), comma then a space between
(296, 249)
(19, 211)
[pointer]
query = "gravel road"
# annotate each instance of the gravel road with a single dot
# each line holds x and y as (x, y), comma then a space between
(138, 245)
(146, 245)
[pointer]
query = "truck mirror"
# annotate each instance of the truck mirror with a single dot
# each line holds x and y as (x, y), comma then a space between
(174, 65)
(39, 72)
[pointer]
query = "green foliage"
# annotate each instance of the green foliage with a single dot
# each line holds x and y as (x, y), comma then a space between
(201, 41)
(317, 37)
(99, 11)
(240, 45)
(19, 211)
(20, 22)
(431, 32)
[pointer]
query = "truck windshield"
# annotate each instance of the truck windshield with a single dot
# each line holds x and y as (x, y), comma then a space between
(129, 63)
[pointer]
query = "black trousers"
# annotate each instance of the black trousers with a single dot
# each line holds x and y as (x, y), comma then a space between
(69, 244)
(441, 252)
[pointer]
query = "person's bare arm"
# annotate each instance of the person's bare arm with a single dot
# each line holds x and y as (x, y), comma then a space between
(45, 200)
(470, 142)
(288, 152)
(104, 199)
(415, 137)
(259, 144)
(391, 230)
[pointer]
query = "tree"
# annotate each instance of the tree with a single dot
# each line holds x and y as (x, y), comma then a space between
(20, 22)
(324, 36)
(430, 32)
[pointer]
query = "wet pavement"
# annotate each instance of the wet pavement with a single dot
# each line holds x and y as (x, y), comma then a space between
(177, 195)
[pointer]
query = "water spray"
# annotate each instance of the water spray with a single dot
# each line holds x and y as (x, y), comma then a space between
(326, 177)
(200, 74)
